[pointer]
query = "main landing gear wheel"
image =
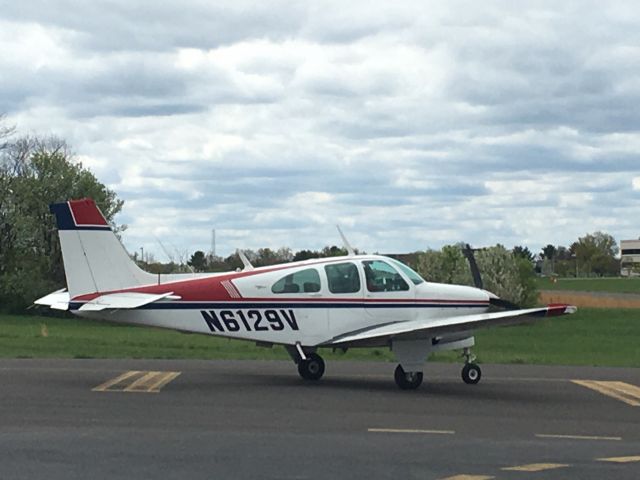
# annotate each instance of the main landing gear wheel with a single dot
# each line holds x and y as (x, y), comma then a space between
(312, 368)
(407, 381)
(471, 373)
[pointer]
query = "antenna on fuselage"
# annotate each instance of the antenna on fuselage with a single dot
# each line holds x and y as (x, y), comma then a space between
(245, 260)
(345, 242)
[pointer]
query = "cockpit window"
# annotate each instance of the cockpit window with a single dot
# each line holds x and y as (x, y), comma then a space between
(307, 281)
(382, 277)
(409, 272)
(343, 278)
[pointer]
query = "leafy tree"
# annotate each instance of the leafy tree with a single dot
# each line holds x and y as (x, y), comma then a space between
(595, 254)
(333, 251)
(217, 264)
(35, 172)
(508, 276)
(548, 259)
(523, 252)
(549, 252)
(266, 256)
(232, 262)
(445, 266)
(305, 255)
(563, 253)
(198, 261)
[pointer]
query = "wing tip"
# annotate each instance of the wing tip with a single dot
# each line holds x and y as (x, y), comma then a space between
(556, 309)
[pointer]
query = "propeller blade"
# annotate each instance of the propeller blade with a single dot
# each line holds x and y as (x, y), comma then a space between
(467, 251)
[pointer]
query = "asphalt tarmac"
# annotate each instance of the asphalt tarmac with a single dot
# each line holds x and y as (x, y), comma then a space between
(139, 419)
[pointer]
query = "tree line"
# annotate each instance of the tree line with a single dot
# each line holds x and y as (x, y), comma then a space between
(593, 255)
(36, 171)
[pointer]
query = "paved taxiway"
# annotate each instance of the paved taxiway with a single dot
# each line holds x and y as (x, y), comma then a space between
(59, 419)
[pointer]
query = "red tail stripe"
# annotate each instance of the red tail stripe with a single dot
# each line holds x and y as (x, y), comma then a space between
(85, 212)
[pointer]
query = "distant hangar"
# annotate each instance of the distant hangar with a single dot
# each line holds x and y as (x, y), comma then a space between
(630, 258)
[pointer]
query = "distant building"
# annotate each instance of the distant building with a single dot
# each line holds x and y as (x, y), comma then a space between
(630, 259)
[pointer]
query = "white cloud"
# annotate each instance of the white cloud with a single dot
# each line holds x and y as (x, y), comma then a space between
(410, 124)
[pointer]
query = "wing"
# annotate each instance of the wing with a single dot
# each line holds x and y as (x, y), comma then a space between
(59, 300)
(442, 326)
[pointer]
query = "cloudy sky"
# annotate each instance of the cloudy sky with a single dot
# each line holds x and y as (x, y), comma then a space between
(411, 124)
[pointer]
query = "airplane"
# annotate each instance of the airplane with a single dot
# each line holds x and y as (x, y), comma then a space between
(342, 302)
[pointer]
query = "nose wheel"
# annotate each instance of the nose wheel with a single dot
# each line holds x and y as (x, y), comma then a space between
(471, 372)
(312, 368)
(407, 380)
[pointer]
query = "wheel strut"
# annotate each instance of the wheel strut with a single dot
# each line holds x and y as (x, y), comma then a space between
(471, 372)
(468, 356)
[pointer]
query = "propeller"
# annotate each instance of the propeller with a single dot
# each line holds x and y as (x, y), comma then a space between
(468, 252)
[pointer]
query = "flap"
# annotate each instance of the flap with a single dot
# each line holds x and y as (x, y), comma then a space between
(124, 300)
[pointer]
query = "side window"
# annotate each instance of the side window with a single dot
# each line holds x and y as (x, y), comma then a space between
(307, 281)
(382, 277)
(343, 278)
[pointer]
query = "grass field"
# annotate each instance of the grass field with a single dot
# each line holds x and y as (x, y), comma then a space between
(590, 337)
(613, 285)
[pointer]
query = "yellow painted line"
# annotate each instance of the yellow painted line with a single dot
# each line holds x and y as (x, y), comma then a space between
(626, 388)
(163, 380)
(625, 392)
(408, 430)
(621, 459)
(468, 477)
(137, 381)
(148, 381)
(140, 384)
(106, 385)
(577, 437)
(535, 467)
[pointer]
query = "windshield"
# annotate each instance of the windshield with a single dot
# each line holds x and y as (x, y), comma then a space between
(413, 276)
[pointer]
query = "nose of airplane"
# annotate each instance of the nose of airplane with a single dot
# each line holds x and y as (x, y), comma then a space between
(490, 294)
(454, 292)
(496, 301)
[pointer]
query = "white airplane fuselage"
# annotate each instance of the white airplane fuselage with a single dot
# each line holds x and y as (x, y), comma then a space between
(244, 305)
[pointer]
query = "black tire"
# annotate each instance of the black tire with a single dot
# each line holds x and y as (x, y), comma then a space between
(471, 374)
(407, 381)
(312, 368)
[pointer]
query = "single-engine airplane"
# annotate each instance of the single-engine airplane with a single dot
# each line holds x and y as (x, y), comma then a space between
(339, 302)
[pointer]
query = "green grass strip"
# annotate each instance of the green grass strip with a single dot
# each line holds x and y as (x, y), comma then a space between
(591, 337)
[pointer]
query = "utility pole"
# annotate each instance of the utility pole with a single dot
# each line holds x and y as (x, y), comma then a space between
(213, 242)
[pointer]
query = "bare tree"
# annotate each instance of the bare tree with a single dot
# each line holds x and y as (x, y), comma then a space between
(5, 132)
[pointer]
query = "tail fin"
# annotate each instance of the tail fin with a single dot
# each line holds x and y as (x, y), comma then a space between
(94, 259)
